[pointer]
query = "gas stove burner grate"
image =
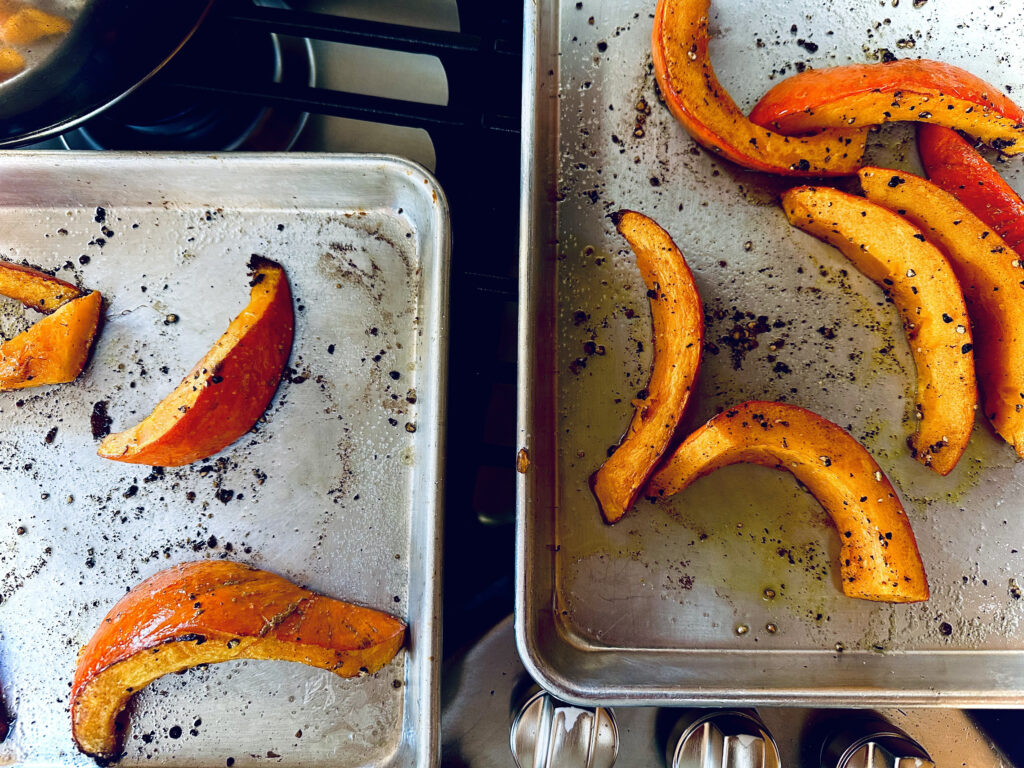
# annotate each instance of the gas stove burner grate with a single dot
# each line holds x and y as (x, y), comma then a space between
(162, 115)
(482, 70)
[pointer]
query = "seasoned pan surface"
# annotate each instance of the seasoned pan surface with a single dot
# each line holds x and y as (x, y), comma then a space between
(729, 591)
(336, 488)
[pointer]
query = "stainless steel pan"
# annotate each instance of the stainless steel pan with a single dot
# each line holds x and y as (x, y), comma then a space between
(113, 47)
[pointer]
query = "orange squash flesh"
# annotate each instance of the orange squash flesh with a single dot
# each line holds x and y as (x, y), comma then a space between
(678, 320)
(991, 278)
(227, 391)
(679, 44)
(54, 350)
(27, 25)
(212, 611)
(11, 63)
(955, 166)
(909, 89)
(922, 285)
(33, 288)
(879, 559)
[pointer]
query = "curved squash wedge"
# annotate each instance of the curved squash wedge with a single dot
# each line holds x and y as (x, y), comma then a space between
(879, 559)
(54, 350)
(955, 166)
(679, 44)
(909, 89)
(212, 611)
(678, 320)
(922, 285)
(991, 279)
(225, 393)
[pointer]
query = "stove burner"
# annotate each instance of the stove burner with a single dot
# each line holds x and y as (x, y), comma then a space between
(164, 115)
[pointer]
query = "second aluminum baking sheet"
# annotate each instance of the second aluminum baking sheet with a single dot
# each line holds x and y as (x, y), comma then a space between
(728, 592)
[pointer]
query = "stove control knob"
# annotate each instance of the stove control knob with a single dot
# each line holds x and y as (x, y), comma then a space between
(548, 733)
(870, 742)
(721, 738)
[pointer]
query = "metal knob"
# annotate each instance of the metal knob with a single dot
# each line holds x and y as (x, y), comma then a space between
(721, 738)
(548, 733)
(871, 742)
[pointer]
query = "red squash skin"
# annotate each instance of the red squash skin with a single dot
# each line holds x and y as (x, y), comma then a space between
(954, 165)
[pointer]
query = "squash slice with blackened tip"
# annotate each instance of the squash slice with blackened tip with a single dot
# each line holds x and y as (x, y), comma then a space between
(678, 320)
(991, 277)
(919, 280)
(691, 90)
(878, 556)
(227, 391)
(910, 89)
(212, 611)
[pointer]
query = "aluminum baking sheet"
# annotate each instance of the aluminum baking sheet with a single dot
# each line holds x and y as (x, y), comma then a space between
(337, 488)
(729, 591)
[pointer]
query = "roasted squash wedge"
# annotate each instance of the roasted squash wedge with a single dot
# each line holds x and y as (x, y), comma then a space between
(678, 320)
(33, 288)
(220, 399)
(679, 44)
(207, 612)
(909, 89)
(922, 285)
(955, 166)
(879, 559)
(54, 350)
(992, 281)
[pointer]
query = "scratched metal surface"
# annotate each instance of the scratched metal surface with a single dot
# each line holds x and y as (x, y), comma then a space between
(337, 488)
(729, 591)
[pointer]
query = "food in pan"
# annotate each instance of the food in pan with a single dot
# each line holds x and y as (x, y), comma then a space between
(693, 94)
(22, 26)
(55, 349)
(918, 279)
(27, 25)
(910, 89)
(211, 611)
(953, 164)
(33, 288)
(11, 63)
(990, 275)
(227, 391)
(678, 320)
(878, 556)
